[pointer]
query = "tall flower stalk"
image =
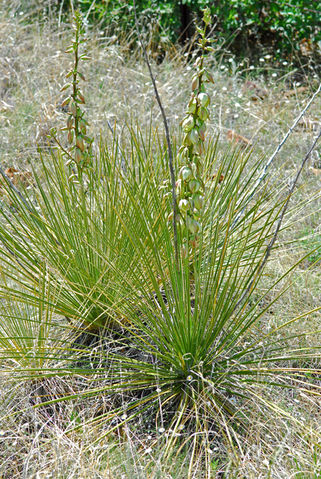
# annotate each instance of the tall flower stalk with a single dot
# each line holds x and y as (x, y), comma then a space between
(190, 186)
(80, 150)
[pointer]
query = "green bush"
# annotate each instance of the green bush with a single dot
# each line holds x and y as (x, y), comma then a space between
(283, 25)
(275, 24)
(286, 28)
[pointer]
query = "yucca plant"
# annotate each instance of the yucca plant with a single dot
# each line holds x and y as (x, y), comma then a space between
(76, 233)
(198, 353)
(192, 354)
(31, 337)
(70, 221)
(199, 358)
(195, 358)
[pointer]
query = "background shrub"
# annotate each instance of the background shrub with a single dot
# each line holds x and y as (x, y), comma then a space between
(249, 26)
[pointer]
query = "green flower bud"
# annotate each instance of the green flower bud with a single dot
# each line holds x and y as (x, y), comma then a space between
(204, 99)
(207, 16)
(197, 62)
(188, 124)
(192, 106)
(194, 169)
(81, 97)
(65, 87)
(203, 114)
(193, 226)
(183, 152)
(184, 205)
(200, 148)
(186, 140)
(185, 173)
(202, 132)
(194, 186)
(193, 135)
(178, 186)
(66, 101)
(198, 201)
(209, 77)
(82, 126)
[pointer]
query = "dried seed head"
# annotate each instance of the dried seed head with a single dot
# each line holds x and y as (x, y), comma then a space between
(70, 122)
(78, 155)
(70, 136)
(81, 97)
(194, 82)
(80, 143)
(73, 108)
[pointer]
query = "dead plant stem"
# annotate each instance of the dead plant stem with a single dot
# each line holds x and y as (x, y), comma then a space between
(279, 223)
(169, 145)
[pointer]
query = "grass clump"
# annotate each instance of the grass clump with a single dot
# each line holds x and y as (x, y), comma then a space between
(176, 353)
